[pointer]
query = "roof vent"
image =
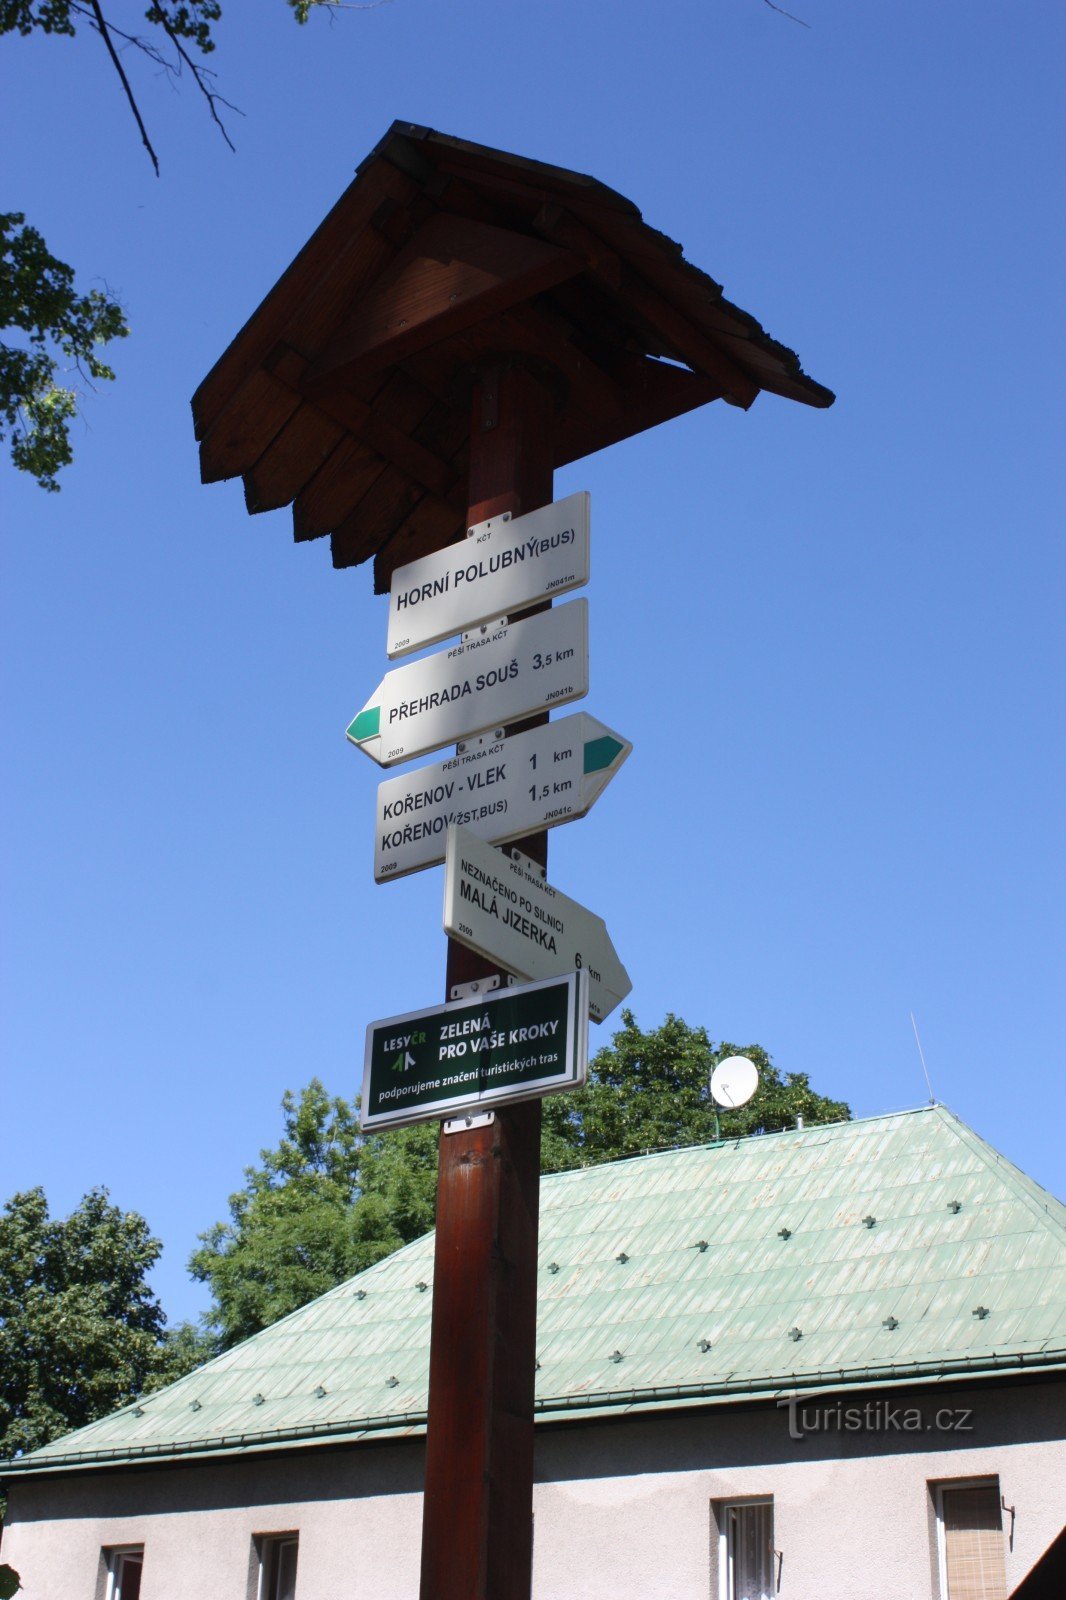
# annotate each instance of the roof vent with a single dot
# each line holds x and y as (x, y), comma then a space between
(700, 1245)
(194, 1405)
(258, 1400)
(138, 1411)
(784, 1233)
(980, 1312)
(869, 1222)
(955, 1206)
(703, 1344)
(890, 1323)
(421, 1287)
(392, 1383)
(553, 1266)
(795, 1334)
(536, 1366)
(320, 1392)
(621, 1257)
(360, 1294)
(615, 1356)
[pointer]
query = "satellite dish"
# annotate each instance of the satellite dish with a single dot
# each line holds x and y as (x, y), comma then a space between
(734, 1081)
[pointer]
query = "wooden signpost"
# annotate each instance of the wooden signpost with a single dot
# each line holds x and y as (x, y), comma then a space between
(477, 1519)
(463, 322)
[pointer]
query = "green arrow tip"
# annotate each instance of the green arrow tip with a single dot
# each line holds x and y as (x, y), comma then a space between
(600, 753)
(367, 725)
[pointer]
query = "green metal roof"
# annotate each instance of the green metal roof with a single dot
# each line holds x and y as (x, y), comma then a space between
(901, 1248)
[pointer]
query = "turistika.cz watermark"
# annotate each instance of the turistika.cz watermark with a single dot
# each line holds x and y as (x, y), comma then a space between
(873, 1416)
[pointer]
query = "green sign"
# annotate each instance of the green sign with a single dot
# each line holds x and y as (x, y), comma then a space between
(515, 1044)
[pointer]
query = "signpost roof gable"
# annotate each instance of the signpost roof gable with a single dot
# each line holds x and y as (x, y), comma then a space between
(346, 394)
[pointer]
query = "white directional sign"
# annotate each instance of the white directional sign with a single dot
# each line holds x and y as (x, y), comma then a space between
(505, 675)
(499, 905)
(503, 566)
(498, 788)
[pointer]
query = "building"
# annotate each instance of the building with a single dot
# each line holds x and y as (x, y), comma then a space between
(826, 1362)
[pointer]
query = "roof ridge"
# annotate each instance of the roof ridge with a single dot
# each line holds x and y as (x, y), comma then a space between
(742, 1139)
(1048, 1208)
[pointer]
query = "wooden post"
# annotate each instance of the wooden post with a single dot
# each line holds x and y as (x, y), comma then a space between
(477, 1521)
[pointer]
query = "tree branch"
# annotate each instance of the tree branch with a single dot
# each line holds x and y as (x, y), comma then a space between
(100, 23)
(109, 32)
(303, 8)
(783, 13)
(200, 76)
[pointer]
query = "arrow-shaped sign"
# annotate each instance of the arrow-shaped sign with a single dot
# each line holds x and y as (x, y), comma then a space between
(499, 905)
(506, 674)
(504, 565)
(498, 788)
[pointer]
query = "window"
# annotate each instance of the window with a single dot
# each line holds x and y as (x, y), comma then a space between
(746, 1550)
(277, 1566)
(124, 1568)
(970, 1540)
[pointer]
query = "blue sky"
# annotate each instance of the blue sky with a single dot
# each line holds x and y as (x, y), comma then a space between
(834, 638)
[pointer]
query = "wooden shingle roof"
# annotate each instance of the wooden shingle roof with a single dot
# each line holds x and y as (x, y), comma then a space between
(347, 392)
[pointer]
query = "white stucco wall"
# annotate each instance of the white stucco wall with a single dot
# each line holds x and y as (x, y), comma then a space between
(624, 1510)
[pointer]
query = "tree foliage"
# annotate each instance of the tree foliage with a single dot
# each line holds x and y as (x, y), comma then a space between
(80, 1330)
(185, 1347)
(52, 325)
(649, 1091)
(38, 298)
(320, 1206)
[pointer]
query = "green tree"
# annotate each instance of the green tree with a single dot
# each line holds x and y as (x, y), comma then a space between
(398, 1190)
(80, 1330)
(185, 1347)
(323, 1204)
(649, 1091)
(38, 297)
(55, 329)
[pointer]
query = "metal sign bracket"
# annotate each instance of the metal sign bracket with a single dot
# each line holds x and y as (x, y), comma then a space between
(534, 868)
(466, 991)
(473, 1119)
(484, 628)
(466, 745)
(488, 524)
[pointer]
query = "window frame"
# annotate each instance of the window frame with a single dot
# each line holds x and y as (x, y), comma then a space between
(724, 1508)
(986, 1480)
(268, 1547)
(116, 1556)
